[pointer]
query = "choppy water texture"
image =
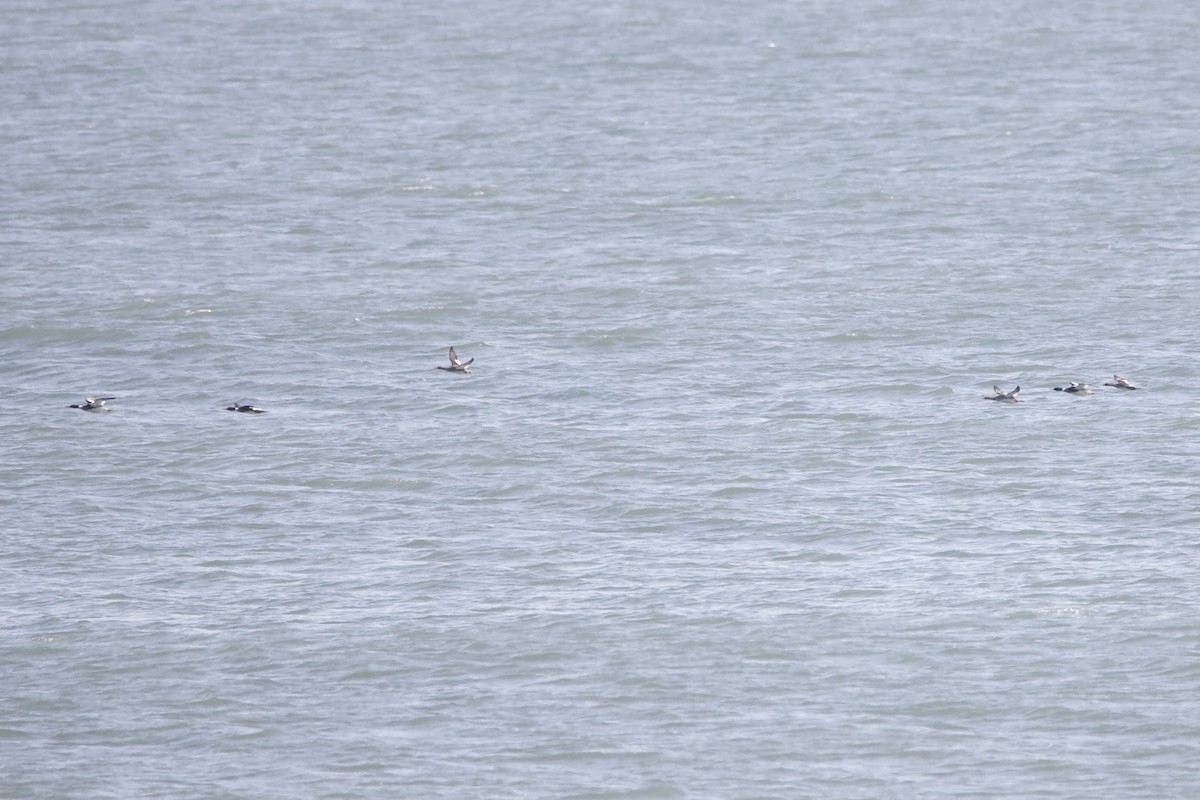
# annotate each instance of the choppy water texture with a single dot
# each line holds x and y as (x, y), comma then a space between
(720, 512)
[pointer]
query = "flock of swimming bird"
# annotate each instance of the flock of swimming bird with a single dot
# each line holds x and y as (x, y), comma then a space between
(98, 403)
(1075, 388)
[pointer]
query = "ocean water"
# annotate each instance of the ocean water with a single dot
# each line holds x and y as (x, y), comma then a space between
(720, 511)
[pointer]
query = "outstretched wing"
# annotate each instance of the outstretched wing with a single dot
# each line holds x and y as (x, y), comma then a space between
(453, 358)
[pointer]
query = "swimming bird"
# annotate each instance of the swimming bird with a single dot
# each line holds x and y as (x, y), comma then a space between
(1075, 388)
(245, 409)
(1000, 394)
(455, 365)
(93, 404)
(1121, 383)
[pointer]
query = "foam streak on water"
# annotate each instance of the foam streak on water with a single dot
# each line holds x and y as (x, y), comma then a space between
(720, 511)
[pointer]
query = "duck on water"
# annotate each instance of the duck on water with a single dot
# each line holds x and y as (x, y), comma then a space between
(456, 365)
(93, 404)
(1003, 396)
(1120, 383)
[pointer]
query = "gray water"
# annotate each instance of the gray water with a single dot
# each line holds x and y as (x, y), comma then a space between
(720, 511)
